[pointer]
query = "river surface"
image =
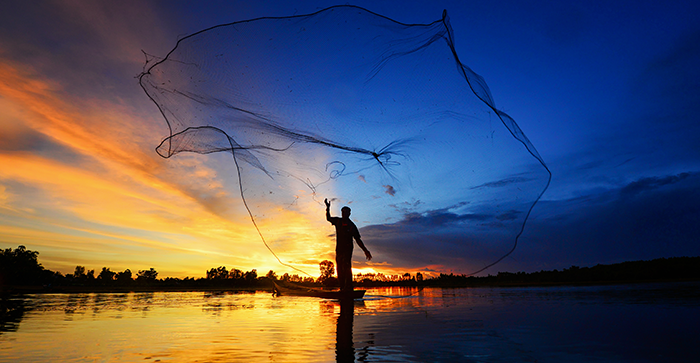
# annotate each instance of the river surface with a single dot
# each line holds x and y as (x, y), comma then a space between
(612, 323)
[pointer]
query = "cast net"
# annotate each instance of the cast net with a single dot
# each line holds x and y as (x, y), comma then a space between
(352, 106)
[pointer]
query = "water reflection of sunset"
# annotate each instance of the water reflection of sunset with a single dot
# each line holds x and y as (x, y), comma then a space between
(390, 324)
(179, 326)
(196, 326)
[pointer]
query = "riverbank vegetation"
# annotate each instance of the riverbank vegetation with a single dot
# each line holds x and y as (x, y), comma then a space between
(20, 270)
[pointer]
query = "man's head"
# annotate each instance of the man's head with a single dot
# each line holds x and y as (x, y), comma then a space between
(345, 212)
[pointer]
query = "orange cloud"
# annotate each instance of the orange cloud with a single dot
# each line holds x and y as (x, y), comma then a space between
(111, 200)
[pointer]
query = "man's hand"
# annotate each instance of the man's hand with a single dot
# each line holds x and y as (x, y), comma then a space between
(368, 255)
(328, 204)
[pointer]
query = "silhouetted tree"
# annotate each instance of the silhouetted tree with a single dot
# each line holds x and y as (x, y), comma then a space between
(106, 274)
(327, 270)
(79, 272)
(235, 274)
(219, 273)
(272, 275)
(419, 276)
(147, 275)
(20, 267)
(250, 276)
(295, 278)
(124, 277)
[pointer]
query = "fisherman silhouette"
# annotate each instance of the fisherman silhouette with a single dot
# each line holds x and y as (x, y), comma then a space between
(345, 231)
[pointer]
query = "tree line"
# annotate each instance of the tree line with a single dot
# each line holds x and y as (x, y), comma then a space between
(20, 267)
(660, 269)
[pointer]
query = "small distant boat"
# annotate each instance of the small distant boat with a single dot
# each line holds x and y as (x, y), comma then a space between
(289, 289)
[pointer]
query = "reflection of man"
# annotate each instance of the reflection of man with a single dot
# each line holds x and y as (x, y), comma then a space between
(345, 231)
(344, 349)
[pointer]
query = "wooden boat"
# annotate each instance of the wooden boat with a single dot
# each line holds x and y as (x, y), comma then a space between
(289, 289)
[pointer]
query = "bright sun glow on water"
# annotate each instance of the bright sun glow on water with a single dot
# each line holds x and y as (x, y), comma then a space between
(644, 323)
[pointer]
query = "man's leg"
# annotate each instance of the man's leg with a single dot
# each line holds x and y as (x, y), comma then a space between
(344, 272)
(339, 270)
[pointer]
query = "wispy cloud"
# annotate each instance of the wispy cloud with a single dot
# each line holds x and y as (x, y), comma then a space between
(80, 178)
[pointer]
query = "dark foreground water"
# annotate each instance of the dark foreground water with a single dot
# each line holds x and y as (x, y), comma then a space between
(617, 323)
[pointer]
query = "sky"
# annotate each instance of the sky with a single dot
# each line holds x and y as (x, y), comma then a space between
(607, 92)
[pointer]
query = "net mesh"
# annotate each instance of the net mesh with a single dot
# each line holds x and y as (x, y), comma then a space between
(352, 106)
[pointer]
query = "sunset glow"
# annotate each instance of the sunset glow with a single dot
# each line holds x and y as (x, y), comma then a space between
(95, 193)
(82, 184)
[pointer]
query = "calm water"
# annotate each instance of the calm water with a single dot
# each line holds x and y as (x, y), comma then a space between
(621, 323)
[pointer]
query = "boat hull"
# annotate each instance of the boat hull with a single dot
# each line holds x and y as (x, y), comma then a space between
(297, 290)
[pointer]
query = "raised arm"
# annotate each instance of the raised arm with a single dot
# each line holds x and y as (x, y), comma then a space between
(328, 209)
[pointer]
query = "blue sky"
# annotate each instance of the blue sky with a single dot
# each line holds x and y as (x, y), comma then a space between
(606, 91)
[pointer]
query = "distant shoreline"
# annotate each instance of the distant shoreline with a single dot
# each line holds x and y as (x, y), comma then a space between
(148, 289)
(121, 290)
(21, 273)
